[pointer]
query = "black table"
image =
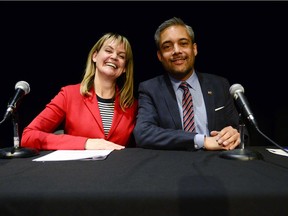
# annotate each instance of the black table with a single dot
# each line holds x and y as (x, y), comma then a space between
(146, 182)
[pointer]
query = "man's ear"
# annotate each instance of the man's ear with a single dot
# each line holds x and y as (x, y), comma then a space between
(159, 56)
(195, 49)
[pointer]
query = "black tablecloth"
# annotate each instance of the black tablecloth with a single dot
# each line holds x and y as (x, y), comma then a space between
(146, 182)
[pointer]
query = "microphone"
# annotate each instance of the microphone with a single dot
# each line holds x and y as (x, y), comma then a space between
(22, 88)
(237, 91)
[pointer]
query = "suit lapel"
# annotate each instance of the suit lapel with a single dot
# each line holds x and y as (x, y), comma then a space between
(92, 104)
(207, 92)
(117, 116)
(171, 101)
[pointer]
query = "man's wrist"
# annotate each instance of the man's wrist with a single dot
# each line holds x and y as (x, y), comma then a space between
(199, 140)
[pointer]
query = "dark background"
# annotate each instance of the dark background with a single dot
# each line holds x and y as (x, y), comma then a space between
(47, 43)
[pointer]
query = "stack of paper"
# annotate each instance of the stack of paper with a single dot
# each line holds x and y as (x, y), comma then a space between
(277, 151)
(64, 155)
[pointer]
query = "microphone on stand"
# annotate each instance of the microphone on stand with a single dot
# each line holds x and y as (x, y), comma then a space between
(22, 88)
(237, 92)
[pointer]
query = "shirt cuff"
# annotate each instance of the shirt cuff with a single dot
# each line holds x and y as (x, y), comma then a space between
(199, 141)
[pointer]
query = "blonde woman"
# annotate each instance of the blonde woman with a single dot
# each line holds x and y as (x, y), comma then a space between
(98, 113)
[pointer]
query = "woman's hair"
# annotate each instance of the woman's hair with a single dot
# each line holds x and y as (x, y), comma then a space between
(124, 83)
(172, 22)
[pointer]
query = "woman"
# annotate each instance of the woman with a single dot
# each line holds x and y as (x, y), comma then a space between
(98, 113)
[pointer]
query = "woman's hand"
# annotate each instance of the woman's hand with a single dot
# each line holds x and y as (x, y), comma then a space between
(102, 144)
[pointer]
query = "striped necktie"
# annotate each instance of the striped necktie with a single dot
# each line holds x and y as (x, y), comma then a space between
(187, 105)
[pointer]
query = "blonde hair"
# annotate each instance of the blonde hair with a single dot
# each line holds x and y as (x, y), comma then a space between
(125, 82)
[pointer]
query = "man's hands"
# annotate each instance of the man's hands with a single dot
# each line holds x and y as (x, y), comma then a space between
(226, 139)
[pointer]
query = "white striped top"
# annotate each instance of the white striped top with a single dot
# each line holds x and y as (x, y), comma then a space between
(106, 107)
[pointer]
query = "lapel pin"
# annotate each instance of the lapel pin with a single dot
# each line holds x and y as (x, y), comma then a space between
(209, 92)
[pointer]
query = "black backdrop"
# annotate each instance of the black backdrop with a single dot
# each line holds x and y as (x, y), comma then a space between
(47, 43)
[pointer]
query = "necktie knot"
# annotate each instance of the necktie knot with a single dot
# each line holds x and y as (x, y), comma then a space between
(184, 85)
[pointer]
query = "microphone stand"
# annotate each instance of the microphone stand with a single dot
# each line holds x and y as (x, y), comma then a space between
(16, 151)
(242, 153)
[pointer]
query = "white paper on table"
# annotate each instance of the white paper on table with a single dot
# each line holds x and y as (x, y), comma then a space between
(278, 152)
(64, 155)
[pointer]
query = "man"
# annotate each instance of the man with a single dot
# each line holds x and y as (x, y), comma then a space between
(160, 123)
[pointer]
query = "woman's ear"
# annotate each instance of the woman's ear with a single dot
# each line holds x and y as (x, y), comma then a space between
(94, 56)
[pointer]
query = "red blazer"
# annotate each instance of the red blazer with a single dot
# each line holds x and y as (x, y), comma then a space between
(81, 120)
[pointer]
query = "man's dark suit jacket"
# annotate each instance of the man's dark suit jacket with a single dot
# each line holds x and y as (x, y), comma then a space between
(159, 124)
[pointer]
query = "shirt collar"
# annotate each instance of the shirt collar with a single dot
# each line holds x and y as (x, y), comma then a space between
(191, 80)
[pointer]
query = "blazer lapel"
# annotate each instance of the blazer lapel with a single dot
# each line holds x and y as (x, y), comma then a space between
(171, 101)
(92, 104)
(207, 92)
(117, 116)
